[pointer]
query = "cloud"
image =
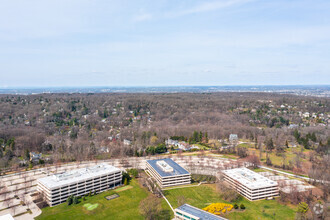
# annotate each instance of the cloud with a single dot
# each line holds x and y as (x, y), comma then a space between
(208, 6)
(142, 17)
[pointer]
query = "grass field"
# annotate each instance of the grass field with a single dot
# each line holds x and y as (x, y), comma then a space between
(204, 195)
(127, 205)
(124, 207)
(123, 188)
(90, 207)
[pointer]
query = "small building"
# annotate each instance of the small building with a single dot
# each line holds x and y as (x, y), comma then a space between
(104, 149)
(293, 126)
(251, 185)
(57, 188)
(233, 137)
(306, 115)
(183, 146)
(34, 157)
(127, 142)
(188, 212)
(167, 173)
(171, 142)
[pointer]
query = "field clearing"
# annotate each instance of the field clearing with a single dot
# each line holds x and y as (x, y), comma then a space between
(204, 195)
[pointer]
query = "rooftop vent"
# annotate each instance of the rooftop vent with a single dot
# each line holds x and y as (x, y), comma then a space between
(164, 166)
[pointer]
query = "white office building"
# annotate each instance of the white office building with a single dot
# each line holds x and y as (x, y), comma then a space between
(167, 173)
(58, 187)
(250, 184)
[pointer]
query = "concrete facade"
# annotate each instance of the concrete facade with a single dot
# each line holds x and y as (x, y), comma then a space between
(250, 184)
(167, 173)
(57, 188)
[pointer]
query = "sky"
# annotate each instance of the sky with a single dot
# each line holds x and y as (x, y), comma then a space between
(79, 43)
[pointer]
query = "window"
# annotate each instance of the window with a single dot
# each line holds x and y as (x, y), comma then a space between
(186, 216)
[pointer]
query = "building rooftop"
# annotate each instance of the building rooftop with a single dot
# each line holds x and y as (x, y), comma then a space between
(250, 179)
(71, 176)
(199, 213)
(167, 167)
(6, 217)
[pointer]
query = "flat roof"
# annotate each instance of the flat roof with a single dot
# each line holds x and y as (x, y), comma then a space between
(6, 217)
(71, 176)
(250, 179)
(177, 169)
(201, 214)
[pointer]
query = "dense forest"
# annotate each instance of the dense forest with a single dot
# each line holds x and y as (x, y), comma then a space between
(66, 127)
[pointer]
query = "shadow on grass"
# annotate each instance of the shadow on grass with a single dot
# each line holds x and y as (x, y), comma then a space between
(164, 215)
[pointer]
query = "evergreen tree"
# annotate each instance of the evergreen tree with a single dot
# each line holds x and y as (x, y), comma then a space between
(69, 200)
(75, 200)
(195, 137)
(200, 137)
(313, 137)
(296, 134)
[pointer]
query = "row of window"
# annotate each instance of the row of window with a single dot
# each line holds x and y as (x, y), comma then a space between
(63, 198)
(83, 187)
(185, 216)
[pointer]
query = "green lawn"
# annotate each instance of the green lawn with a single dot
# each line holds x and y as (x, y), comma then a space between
(127, 205)
(204, 195)
(246, 145)
(124, 207)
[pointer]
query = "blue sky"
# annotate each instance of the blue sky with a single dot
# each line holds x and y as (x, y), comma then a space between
(164, 42)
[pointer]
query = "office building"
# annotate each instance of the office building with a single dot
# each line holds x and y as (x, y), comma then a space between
(58, 187)
(250, 184)
(167, 173)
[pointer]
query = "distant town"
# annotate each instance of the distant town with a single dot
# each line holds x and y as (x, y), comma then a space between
(303, 90)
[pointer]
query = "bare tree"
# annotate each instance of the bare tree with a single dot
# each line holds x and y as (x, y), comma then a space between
(150, 207)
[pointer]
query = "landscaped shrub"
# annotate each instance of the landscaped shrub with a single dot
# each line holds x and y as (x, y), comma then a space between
(235, 206)
(202, 178)
(133, 172)
(242, 206)
(217, 208)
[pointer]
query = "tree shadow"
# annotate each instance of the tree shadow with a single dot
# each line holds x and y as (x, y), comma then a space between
(164, 215)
